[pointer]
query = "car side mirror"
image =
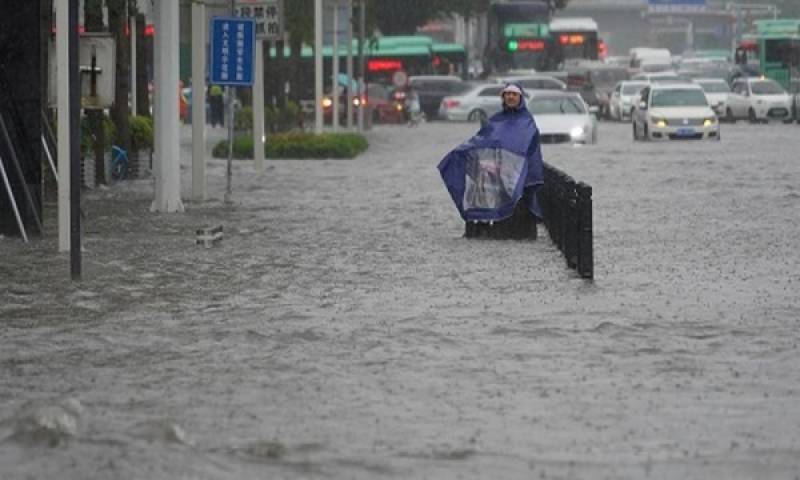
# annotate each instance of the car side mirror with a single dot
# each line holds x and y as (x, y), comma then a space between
(594, 109)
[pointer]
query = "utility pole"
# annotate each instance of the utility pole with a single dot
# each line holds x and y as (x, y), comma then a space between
(318, 66)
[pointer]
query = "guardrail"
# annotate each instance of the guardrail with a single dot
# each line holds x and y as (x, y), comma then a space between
(567, 210)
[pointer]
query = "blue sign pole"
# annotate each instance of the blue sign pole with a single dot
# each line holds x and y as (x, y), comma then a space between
(233, 41)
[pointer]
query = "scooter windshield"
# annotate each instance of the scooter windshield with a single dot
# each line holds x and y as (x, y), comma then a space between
(491, 177)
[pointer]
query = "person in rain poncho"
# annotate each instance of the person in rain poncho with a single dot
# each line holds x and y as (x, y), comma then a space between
(498, 167)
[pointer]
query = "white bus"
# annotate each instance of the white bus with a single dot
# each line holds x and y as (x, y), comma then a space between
(574, 38)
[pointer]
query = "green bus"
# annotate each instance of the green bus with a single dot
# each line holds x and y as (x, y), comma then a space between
(779, 51)
(412, 54)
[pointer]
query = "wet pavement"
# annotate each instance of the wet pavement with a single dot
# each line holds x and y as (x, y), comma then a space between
(345, 329)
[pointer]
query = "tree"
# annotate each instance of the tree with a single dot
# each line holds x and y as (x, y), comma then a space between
(93, 20)
(120, 112)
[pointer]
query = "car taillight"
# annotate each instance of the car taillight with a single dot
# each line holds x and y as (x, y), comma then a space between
(451, 103)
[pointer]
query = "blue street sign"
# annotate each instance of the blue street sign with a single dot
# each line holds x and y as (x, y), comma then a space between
(676, 6)
(232, 50)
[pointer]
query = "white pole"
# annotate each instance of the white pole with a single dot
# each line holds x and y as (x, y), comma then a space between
(362, 81)
(317, 66)
(133, 64)
(199, 34)
(62, 72)
(258, 107)
(335, 69)
(167, 154)
(350, 65)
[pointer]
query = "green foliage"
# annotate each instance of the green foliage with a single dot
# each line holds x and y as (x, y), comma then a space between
(141, 133)
(276, 120)
(298, 145)
(243, 119)
(88, 138)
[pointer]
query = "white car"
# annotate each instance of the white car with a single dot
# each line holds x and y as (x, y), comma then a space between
(674, 112)
(717, 91)
(623, 99)
(563, 117)
(666, 75)
(534, 82)
(758, 99)
(475, 105)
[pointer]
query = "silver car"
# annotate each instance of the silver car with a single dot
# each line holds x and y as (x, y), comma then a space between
(759, 100)
(717, 91)
(623, 99)
(563, 117)
(475, 105)
(534, 82)
(674, 112)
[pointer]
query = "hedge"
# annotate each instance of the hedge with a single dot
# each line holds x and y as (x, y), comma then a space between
(297, 146)
(141, 133)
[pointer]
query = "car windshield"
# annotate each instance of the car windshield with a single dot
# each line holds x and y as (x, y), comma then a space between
(675, 97)
(766, 87)
(715, 87)
(556, 106)
(632, 89)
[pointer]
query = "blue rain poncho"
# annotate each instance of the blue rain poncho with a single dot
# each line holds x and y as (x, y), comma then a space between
(488, 175)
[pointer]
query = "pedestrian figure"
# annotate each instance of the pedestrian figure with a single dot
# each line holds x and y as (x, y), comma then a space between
(494, 176)
(413, 108)
(216, 101)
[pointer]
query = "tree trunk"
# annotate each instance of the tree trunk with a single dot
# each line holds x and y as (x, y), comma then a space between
(280, 74)
(49, 184)
(295, 51)
(117, 23)
(142, 61)
(93, 20)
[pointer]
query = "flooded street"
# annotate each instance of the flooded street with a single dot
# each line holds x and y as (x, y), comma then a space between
(345, 329)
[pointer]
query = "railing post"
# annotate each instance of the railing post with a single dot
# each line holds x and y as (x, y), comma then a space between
(585, 235)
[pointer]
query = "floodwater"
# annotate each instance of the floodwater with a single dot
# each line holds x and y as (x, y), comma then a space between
(345, 329)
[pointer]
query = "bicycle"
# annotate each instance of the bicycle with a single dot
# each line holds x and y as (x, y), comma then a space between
(119, 163)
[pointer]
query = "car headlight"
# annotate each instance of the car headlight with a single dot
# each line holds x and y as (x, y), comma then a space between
(709, 121)
(576, 132)
(327, 102)
(659, 122)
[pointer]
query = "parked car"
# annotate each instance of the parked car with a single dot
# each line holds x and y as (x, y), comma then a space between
(534, 82)
(674, 112)
(382, 105)
(667, 75)
(476, 105)
(623, 99)
(717, 91)
(563, 117)
(596, 81)
(758, 99)
(433, 88)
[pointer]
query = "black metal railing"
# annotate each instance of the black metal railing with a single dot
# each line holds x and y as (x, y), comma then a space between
(567, 210)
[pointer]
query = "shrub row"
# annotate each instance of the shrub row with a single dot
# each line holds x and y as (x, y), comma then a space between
(298, 146)
(276, 119)
(141, 128)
